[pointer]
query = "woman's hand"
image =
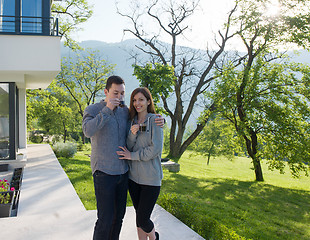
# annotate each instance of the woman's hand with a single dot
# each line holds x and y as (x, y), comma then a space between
(124, 154)
(134, 129)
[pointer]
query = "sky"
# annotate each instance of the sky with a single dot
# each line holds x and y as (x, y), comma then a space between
(107, 25)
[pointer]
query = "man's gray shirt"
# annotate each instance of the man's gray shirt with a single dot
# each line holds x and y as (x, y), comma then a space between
(107, 130)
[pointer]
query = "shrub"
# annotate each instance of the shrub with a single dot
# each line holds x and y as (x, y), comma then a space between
(67, 149)
(205, 226)
(36, 138)
(83, 147)
(57, 138)
(77, 136)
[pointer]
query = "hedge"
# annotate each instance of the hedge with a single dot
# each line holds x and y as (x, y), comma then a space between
(205, 226)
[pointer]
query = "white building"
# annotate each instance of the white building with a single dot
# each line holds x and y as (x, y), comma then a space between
(29, 59)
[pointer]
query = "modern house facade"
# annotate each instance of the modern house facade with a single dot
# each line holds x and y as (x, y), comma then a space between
(29, 59)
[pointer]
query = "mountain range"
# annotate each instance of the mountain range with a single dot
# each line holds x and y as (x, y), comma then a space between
(119, 54)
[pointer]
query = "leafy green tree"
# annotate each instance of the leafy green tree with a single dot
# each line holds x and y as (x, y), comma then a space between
(52, 110)
(269, 112)
(159, 79)
(71, 14)
(84, 78)
(218, 138)
(262, 94)
(60, 108)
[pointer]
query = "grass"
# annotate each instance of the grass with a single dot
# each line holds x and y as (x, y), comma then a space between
(278, 208)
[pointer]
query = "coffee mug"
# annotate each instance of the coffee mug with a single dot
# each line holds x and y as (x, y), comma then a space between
(121, 103)
(142, 127)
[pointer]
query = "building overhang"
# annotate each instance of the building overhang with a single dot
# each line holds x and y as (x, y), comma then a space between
(29, 80)
(30, 61)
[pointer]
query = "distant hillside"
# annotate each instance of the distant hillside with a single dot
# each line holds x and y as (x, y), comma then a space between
(118, 53)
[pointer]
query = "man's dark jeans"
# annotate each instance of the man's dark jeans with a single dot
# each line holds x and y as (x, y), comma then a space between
(111, 195)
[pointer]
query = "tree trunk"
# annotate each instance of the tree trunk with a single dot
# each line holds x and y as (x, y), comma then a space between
(177, 145)
(251, 145)
(256, 160)
(83, 137)
(65, 132)
(251, 149)
(258, 170)
(209, 154)
(174, 152)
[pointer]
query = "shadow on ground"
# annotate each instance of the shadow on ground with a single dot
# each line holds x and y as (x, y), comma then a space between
(253, 209)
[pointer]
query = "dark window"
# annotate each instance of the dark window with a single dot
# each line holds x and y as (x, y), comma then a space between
(16, 118)
(4, 121)
(12, 122)
(8, 127)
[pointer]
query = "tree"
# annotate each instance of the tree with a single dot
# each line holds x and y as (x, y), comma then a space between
(218, 138)
(158, 79)
(53, 110)
(84, 78)
(192, 73)
(264, 95)
(71, 13)
(272, 116)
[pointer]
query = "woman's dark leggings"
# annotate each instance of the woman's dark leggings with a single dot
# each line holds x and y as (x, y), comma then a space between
(143, 198)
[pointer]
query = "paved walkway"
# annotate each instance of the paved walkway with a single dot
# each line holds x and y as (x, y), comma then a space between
(50, 209)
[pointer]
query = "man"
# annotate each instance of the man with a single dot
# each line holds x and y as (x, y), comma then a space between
(106, 124)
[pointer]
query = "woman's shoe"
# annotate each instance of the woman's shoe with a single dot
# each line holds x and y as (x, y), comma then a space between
(157, 235)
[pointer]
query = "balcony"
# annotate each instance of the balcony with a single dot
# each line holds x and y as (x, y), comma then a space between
(24, 25)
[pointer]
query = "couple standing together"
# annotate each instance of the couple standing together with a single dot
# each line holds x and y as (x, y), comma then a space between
(115, 167)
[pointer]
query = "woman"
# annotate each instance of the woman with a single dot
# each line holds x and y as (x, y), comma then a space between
(145, 143)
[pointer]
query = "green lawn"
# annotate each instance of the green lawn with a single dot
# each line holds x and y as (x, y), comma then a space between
(278, 208)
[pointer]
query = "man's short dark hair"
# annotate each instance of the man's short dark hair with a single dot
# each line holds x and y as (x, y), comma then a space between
(114, 79)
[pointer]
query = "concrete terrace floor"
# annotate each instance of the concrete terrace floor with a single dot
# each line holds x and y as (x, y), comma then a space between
(50, 209)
